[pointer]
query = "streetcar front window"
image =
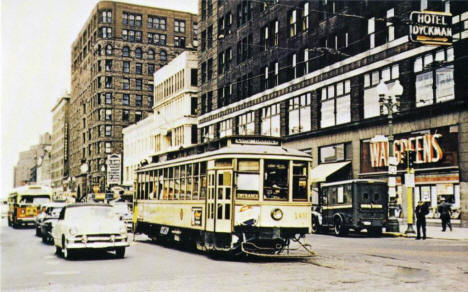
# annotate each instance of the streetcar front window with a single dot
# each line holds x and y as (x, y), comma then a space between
(248, 179)
(276, 180)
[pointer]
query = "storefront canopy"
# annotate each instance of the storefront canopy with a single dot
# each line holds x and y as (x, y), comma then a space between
(321, 172)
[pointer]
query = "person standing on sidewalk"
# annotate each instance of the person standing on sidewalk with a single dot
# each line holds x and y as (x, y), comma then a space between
(445, 212)
(421, 211)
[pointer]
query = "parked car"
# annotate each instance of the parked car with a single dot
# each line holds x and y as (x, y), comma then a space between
(123, 212)
(89, 226)
(50, 217)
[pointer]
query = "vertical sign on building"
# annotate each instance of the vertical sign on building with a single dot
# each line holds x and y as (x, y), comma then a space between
(114, 169)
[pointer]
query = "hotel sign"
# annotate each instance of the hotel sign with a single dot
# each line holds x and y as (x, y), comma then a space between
(114, 169)
(431, 27)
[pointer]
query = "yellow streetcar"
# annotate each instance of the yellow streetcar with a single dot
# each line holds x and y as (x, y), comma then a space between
(23, 203)
(246, 196)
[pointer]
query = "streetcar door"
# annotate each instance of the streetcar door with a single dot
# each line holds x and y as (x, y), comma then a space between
(223, 210)
(211, 201)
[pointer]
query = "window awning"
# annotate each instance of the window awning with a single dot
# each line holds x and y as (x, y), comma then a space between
(321, 172)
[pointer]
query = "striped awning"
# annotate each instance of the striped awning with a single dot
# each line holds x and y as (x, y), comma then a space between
(321, 172)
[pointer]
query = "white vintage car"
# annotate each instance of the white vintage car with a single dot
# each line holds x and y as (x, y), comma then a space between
(89, 226)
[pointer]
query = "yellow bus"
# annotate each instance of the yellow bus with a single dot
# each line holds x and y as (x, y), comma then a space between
(23, 203)
(249, 196)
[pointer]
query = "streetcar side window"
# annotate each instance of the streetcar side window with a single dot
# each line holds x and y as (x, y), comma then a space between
(299, 181)
(203, 182)
(248, 179)
(276, 180)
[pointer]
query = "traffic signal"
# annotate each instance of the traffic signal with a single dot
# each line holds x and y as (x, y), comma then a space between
(403, 159)
(411, 158)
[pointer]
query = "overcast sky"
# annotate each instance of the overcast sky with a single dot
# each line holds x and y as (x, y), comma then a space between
(36, 37)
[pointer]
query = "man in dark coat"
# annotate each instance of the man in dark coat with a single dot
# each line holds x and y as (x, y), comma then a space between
(421, 211)
(445, 212)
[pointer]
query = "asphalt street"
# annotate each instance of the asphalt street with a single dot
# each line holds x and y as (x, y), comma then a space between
(352, 263)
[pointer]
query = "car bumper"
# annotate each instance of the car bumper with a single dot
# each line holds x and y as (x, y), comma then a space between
(26, 220)
(97, 245)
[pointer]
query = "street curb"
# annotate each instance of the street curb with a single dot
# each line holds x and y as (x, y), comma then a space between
(399, 234)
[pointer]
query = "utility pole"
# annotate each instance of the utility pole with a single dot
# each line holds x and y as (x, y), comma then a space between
(409, 182)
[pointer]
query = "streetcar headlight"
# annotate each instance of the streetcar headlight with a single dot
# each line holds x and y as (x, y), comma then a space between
(277, 214)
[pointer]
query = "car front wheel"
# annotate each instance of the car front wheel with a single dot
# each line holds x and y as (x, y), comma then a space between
(120, 252)
(316, 228)
(66, 252)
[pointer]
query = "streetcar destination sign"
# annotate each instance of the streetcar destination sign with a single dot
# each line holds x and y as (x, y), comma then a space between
(431, 27)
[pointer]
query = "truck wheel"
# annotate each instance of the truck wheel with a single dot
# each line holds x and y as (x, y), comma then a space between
(340, 229)
(120, 252)
(316, 228)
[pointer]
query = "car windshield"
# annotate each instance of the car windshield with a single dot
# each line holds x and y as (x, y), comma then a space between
(54, 211)
(90, 212)
(36, 200)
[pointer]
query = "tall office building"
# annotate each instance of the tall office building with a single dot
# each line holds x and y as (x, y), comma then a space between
(308, 71)
(60, 140)
(113, 61)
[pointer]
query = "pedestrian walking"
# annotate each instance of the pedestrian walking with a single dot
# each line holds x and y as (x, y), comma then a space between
(445, 211)
(421, 211)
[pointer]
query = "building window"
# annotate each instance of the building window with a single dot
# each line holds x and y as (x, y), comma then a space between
(108, 132)
(210, 69)
(208, 133)
(390, 27)
(138, 100)
(108, 82)
(292, 23)
(270, 120)
(139, 68)
(106, 32)
(193, 77)
(109, 50)
(150, 101)
(163, 55)
(335, 104)
(108, 115)
(179, 41)
(108, 147)
(157, 39)
(126, 99)
(157, 22)
(203, 41)
(225, 128)
(371, 98)
(125, 83)
(246, 124)
(220, 63)
(210, 37)
(138, 53)
(137, 116)
(335, 153)
(299, 114)
(138, 84)
(126, 51)
(108, 65)
(371, 32)
(305, 16)
(131, 19)
(108, 98)
(179, 25)
(150, 69)
(126, 67)
(106, 16)
(436, 66)
(150, 54)
(125, 115)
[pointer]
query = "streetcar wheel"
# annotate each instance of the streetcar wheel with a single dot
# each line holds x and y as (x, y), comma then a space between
(339, 229)
(120, 252)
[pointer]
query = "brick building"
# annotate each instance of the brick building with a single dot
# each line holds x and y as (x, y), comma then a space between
(113, 60)
(308, 71)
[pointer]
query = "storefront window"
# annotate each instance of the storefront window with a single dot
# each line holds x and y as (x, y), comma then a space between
(276, 180)
(436, 66)
(371, 98)
(335, 153)
(299, 114)
(271, 120)
(225, 128)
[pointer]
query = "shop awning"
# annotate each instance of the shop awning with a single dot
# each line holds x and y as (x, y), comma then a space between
(321, 172)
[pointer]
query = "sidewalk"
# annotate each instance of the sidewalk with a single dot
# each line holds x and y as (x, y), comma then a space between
(458, 233)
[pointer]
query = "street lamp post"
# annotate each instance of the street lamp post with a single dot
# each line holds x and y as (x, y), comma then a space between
(390, 99)
(103, 170)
